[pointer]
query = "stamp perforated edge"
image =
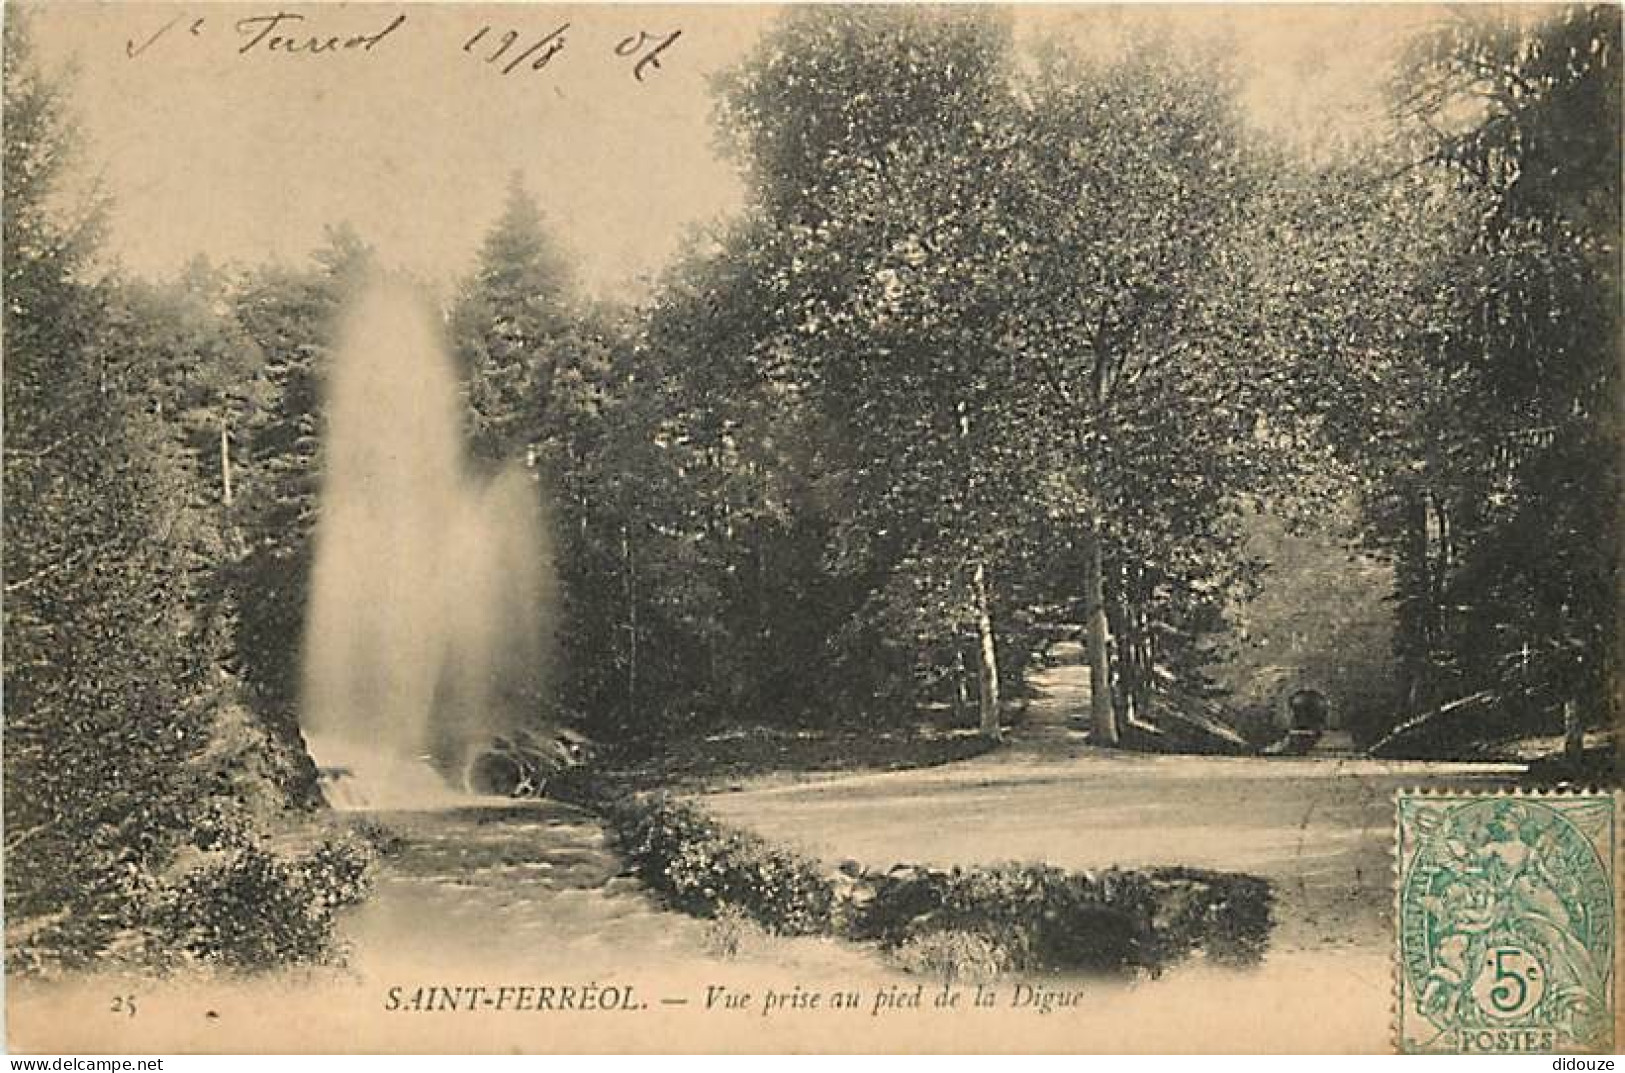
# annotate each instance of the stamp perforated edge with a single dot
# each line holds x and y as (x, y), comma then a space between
(1396, 1030)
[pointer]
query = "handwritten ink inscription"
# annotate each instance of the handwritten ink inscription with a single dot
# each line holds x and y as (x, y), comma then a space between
(543, 48)
(132, 50)
(647, 47)
(261, 30)
(289, 33)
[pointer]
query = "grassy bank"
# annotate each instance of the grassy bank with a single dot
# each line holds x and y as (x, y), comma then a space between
(706, 762)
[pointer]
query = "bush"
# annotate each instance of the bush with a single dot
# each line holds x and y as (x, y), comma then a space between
(1042, 918)
(384, 840)
(1225, 915)
(246, 907)
(731, 932)
(952, 957)
(1039, 916)
(702, 866)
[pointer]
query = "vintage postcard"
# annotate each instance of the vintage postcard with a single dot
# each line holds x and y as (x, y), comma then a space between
(538, 528)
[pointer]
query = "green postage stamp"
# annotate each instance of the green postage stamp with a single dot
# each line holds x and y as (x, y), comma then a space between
(1506, 922)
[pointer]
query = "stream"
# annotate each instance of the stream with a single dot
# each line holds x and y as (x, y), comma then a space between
(512, 886)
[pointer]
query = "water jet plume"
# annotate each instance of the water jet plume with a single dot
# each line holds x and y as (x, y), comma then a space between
(424, 635)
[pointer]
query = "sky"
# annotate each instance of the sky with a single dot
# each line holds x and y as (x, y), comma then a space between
(209, 142)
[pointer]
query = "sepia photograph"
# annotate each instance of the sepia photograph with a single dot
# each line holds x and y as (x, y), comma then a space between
(811, 528)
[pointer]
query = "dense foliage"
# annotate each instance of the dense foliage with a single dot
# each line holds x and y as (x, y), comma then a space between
(1491, 438)
(128, 763)
(1013, 348)
(702, 867)
(250, 908)
(1014, 917)
(104, 649)
(1038, 917)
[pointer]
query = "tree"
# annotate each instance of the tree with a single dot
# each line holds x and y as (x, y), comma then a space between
(106, 697)
(512, 328)
(856, 125)
(1138, 190)
(1465, 304)
(1541, 336)
(1020, 308)
(203, 378)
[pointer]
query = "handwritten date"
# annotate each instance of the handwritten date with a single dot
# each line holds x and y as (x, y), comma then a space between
(293, 34)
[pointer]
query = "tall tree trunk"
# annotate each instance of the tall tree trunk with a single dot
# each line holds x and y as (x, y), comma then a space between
(631, 623)
(1414, 579)
(1102, 715)
(961, 683)
(987, 656)
(1148, 641)
(225, 463)
(1136, 646)
(1119, 645)
(987, 660)
(1103, 726)
(1574, 734)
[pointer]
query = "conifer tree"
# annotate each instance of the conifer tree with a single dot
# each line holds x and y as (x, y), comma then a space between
(511, 328)
(104, 690)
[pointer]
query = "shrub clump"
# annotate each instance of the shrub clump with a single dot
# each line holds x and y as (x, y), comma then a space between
(242, 905)
(963, 922)
(732, 932)
(702, 867)
(384, 840)
(1039, 917)
(1225, 915)
(231, 897)
(952, 957)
